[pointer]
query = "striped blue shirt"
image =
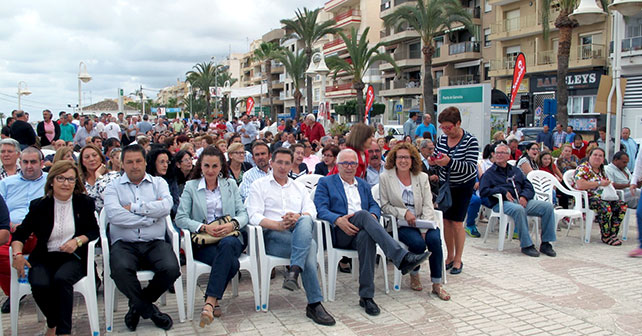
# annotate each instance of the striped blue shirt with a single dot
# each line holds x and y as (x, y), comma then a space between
(248, 177)
(463, 162)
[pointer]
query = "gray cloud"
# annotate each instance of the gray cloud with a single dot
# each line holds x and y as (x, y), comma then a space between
(124, 43)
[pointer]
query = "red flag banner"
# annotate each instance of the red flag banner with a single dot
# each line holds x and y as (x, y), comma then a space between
(249, 104)
(518, 74)
(370, 96)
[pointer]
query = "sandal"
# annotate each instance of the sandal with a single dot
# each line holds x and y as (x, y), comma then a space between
(217, 312)
(441, 293)
(415, 283)
(206, 316)
(612, 240)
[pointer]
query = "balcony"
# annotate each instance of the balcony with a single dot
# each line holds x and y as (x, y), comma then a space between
(464, 51)
(475, 12)
(333, 5)
(340, 90)
(347, 19)
(402, 87)
(401, 35)
(632, 46)
(589, 55)
(504, 67)
(404, 59)
(463, 80)
(500, 2)
(277, 84)
(523, 26)
(333, 46)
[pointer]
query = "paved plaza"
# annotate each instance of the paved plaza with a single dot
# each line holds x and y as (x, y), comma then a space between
(591, 289)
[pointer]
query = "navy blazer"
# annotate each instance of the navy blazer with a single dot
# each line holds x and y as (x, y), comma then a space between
(332, 203)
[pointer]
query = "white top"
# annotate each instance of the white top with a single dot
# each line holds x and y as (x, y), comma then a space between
(637, 172)
(112, 129)
(352, 195)
(268, 199)
(408, 199)
(213, 200)
(64, 225)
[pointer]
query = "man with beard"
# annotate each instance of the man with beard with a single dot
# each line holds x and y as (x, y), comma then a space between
(261, 157)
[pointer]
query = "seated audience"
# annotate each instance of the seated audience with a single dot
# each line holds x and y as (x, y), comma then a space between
(618, 172)
(95, 174)
(528, 161)
(375, 166)
(328, 161)
(236, 163)
(158, 163)
(298, 167)
(261, 156)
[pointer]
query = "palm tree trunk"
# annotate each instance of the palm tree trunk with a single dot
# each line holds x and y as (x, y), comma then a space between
(564, 49)
(359, 86)
(429, 100)
(308, 81)
(268, 69)
(207, 102)
(297, 104)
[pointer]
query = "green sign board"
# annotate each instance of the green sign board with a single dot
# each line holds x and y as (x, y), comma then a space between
(461, 95)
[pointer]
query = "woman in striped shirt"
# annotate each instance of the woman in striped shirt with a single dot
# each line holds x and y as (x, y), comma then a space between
(459, 151)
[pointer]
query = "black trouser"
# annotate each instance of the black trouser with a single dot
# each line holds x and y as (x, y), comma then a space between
(128, 258)
(52, 280)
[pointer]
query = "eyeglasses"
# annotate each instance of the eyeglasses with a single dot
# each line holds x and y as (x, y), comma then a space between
(350, 164)
(446, 128)
(240, 153)
(403, 157)
(62, 179)
(504, 153)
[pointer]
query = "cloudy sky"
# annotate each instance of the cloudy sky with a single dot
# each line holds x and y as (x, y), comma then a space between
(124, 43)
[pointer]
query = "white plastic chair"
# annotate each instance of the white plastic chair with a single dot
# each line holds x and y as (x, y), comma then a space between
(310, 181)
(195, 268)
(395, 234)
(110, 285)
(627, 216)
(507, 222)
(589, 214)
(543, 184)
(85, 286)
(268, 262)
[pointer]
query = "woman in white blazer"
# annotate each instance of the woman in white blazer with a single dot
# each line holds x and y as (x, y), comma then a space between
(405, 193)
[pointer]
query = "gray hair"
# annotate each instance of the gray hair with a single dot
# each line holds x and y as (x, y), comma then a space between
(310, 117)
(11, 142)
(343, 152)
(325, 139)
(501, 145)
(424, 143)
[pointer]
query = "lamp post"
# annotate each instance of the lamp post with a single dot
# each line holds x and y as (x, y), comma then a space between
(318, 66)
(23, 90)
(83, 77)
(228, 90)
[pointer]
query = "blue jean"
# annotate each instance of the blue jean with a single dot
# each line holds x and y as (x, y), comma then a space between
(542, 209)
(416, 244)
(473, 210)
(223, 257)
(638, 214)
(299, 245)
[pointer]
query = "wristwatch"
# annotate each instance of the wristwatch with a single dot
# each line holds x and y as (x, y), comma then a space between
(237, 226)
(78, 241)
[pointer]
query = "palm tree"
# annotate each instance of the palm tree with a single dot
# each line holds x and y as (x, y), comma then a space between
(565, 24)
(306, 28)
(202, 77)
(295, 65)
(266, 52)
(362, 57)
(429, 18)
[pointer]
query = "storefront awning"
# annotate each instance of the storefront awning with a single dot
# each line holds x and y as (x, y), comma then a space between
(467, 64)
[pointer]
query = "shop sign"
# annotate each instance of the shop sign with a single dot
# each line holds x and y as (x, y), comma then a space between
(574, 80)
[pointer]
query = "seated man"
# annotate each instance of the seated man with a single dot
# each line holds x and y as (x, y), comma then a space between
(517, 191)
(18, 191)
(284, 209)
(137, 205)
(375, 166)
(347, 203)
(261, 157)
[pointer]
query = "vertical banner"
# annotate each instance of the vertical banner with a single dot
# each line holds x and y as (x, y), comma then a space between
(370, 96)
(518, 74)
(249, 103)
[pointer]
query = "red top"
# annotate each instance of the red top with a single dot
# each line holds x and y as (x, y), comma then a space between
(313, 133)
(515, 156)
(361, 168)
(549, 170)
(580, 152)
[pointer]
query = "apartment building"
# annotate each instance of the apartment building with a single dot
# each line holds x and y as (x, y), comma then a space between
(178, 92)
(458, 59)
(631, 62)
(517, 28)
(233, 62)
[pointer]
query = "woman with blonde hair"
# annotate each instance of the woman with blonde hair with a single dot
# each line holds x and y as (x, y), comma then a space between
(64, 153)
(405, 193)
(499, 136)
(236, 162)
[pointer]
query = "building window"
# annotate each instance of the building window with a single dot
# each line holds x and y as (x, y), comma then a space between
(414, 50)
(487, 6)
(487, 37)
(316, 95)
(578, 105)
(486, 70)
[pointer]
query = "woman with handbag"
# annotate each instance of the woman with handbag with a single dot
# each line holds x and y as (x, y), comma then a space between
(609, 210)
(211, 196)
(405, 193)
(456, 155)
(63, 222)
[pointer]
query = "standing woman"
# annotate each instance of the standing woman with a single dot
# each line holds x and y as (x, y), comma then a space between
(459, 151)
(359, 140)
(209, 195)
(63, 222)
(158, 164)
(95, 174)
(236, 163)
(405, 193)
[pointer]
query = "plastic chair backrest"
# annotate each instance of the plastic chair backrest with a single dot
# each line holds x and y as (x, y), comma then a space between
(310, 181)
(375, 194)
(542, 184)
(569, 179)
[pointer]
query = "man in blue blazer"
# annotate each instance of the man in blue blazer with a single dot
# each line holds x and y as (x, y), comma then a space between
(347, 203)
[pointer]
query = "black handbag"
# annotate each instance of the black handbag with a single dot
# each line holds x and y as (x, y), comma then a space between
(444, 199)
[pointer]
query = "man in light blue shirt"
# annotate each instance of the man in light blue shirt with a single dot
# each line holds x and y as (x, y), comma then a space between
(248, 132)
(137, 205)
(375, 166)
(410, 126)
(144, 126)
(20, 189)
(426, 126)
(261, 157)
(631, 147)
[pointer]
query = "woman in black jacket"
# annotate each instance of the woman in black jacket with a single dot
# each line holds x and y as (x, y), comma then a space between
(159, 163)
(63, 223)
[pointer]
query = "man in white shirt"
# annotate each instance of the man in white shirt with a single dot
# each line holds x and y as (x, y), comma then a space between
(517, 133)
(347, 203)
(112, 130)
(284, 209)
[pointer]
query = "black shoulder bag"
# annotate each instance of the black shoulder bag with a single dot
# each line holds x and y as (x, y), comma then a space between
(444, 199)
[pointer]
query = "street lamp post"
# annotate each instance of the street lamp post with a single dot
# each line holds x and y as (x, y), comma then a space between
(318, 66)
(83, 77)
(23, 90)
(228, 90)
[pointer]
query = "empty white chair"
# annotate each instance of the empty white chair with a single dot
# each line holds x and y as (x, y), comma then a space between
(195, 268)
(543, 184)
(85, 286)
(110, 285)
(589, 214)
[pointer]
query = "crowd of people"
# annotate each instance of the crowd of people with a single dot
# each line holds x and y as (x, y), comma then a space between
(215, 178)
